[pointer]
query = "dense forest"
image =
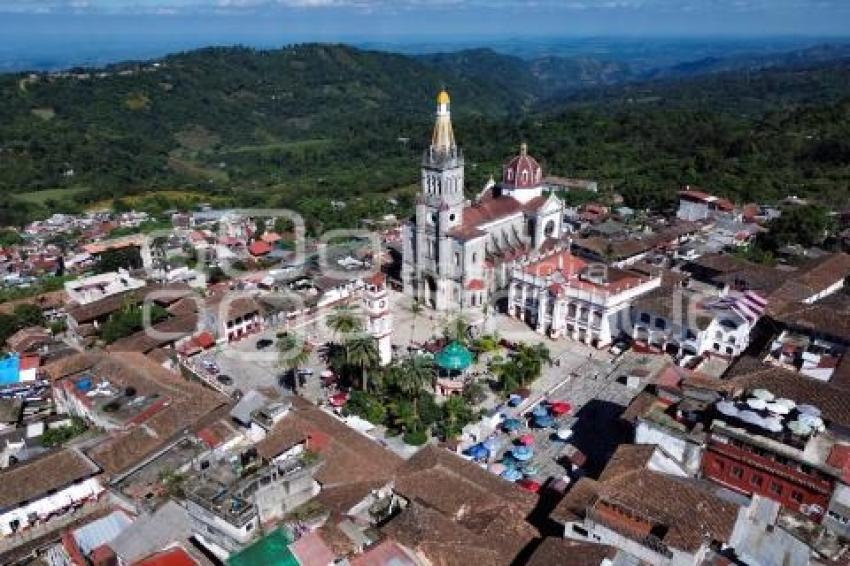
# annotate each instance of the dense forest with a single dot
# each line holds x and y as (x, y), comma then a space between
(304, 125)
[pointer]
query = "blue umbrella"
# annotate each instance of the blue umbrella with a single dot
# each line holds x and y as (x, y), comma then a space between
(540, 411)
(509, 461)
(512, 474)
(544, 421)
(511, 424)
(514, 400)
(523, 453)
(530, 470)
(478, 452)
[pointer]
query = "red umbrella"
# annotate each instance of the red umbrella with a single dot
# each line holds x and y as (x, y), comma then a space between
(526, 439)
(529, 485)
(560, 408)
(339, 399)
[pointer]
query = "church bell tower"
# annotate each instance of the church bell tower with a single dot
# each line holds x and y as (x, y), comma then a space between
(439, 210)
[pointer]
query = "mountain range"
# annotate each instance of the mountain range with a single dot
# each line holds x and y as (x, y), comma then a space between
(320, 121)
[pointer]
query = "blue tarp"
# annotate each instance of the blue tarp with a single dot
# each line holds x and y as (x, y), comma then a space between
(10, 370)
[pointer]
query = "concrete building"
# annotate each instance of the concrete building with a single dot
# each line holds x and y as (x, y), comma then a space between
(90, 289)
(698, 205)
(684, 322)
(34, 492)
(228, 501)
(563, 295)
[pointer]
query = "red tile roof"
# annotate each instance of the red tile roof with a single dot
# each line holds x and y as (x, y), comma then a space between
(204, 340)
(839, 457)
(377, 279)
(387, 552)
(29, 362)
(563, 261)
(171, 557)
(259, 247)
(311, 549)
(489, 209)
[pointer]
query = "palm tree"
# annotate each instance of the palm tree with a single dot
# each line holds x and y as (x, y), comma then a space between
(456, 414)
(510, 375)
(362, 352)
(403, 416)
(529, 361)
(292, 354)
(411, 378)
(344, 320)
(413, 375)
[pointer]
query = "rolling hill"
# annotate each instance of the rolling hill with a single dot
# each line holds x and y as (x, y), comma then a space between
(307, 124)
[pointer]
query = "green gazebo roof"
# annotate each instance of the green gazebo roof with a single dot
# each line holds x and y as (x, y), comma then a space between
(454, 357)
(271, 550)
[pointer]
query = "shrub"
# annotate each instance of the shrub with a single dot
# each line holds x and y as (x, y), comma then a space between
(415, 437)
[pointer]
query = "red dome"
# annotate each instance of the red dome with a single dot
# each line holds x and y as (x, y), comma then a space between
(522, 171)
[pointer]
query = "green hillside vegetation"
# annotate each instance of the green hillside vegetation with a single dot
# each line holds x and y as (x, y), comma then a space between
(304, 125)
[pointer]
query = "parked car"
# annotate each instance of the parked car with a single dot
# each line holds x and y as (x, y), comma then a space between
(264, 343)
(224, 379)
(619, 347)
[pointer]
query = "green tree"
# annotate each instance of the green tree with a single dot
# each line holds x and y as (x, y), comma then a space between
(129, 320)
(121, 258)
(260, 224)
(362, 353)
(344, 320)
(456, 415)
(803, 225)
(366, 406)
(293, 353)
(413, 375)
(402, 415)
(28, 315)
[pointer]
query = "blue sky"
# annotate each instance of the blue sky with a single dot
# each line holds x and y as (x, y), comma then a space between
(431, 18)
(44, 33)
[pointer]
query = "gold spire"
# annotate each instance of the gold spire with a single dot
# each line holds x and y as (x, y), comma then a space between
(443, 139)
(523, 148)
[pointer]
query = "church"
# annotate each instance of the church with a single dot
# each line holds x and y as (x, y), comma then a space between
(458, 252)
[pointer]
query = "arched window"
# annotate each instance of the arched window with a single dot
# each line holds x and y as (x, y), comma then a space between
(525, 175)
(474, 258)
(510, 174)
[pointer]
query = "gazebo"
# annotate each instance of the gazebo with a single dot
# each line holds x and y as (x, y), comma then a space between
(452, 361)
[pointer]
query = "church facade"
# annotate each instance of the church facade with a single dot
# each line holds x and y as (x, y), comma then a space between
(458, 252)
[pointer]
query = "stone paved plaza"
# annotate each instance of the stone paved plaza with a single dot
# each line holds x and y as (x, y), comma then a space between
(589, 379)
